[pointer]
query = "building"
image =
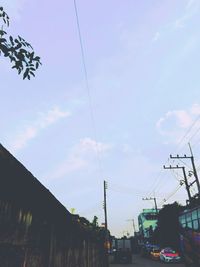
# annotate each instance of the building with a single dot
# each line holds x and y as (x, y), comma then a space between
(147, 222)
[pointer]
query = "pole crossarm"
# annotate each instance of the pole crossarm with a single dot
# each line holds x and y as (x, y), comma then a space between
(155, 202)
(180, 157)
(187, 186)
(194, 171)
(150, 198)
(173, 167)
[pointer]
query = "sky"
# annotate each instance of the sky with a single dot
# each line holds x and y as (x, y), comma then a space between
(141, 104)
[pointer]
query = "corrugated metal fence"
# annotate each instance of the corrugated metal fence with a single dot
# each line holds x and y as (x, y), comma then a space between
(36, 230)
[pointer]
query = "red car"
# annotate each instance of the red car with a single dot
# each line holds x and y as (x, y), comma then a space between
(169, 255)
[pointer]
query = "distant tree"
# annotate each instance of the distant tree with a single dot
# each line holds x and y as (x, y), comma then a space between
(72, 210)
(95, 223)
(20, 52)
(167, 231)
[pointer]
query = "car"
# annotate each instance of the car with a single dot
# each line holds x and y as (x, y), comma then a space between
(145, 249)
(123, 256)
(155, 253)
(122, 251)
(169, 255)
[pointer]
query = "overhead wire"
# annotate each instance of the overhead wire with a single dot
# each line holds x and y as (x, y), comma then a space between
(162, 182)
(198, 129)
(196, 143)
(90, 100)
(187, 132)
(127, 192)
(157, 182)
(170, 195)
(126, 188)
(88, 88)
(176, 174)
(186, 164)
(178, 149)
(95, 208)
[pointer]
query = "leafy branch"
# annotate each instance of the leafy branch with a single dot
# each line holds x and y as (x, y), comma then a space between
(20, 52)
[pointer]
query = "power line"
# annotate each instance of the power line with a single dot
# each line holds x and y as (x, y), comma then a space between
(157, 182)
(161, 182)
(175, 174)
(114, 186)
(198, 129)
(171, 194)
(88, 87)
(187, 132)
(133, 194)
(185, 181)
(178, 145)
(155, 202)
(93, 209)
(196, 143)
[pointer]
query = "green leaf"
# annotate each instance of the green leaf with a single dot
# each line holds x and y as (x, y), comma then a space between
(25, 74)
(11, 40)
(19, 52)
(37, 58)
(2, 32)
(18, 46)
(32, 73)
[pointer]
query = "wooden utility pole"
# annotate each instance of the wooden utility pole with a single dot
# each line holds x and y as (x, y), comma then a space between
(134, 226)
(133, 221)
(107, 243)
(105, 205)
(194, 169)
(187, 186)
(194, 172)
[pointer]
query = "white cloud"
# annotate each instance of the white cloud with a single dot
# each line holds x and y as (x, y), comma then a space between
(191, 3)
(175, 123)
(190, 10)
(80, 157)
(32, 129)
(195, 109)
(156, 37)
(90, 145)
(192, 7)
(72, 164)
(51, 117)
(182, 118)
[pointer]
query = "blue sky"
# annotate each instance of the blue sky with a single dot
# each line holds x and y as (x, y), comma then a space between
(142, 60)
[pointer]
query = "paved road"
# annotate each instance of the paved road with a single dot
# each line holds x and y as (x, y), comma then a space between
(138, 261)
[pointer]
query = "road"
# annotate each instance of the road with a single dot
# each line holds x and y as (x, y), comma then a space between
(139, 261)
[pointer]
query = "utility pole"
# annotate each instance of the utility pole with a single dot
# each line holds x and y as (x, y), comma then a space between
(187, 186)
(134, 228)
(194, 172)
(107, 243)
(155, 202)
(105, 205)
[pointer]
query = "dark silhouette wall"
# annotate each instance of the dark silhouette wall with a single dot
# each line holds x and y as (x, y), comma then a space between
(36, 230)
